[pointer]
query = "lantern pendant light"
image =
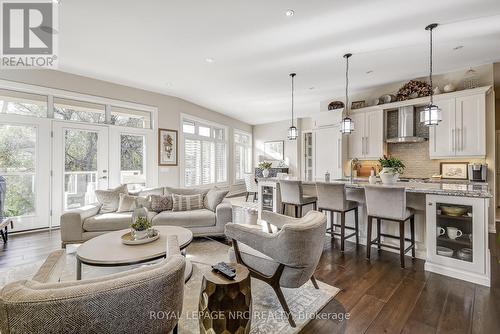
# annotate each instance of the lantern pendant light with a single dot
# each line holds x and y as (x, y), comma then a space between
(292, 131)
(431, 115)
(347, 125)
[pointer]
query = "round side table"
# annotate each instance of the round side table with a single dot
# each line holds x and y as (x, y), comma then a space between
(226, 305)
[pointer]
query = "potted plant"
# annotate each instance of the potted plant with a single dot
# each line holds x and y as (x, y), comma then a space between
(391, 168)
(265, 166)
(140, 228)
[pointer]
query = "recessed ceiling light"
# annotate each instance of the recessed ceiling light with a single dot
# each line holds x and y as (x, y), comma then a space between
(168, 84)
(209, 60)
(369, 71)
(458, 47)
(312, 88)
(290, 13)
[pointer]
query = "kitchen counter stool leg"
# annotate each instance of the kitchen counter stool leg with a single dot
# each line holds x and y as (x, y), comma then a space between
(368, 237)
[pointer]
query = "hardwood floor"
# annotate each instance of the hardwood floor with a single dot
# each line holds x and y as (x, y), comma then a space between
(378, 296)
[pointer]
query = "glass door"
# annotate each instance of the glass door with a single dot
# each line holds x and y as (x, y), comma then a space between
(80, 165)
(308, 156)
(24, 180)
(454, 232)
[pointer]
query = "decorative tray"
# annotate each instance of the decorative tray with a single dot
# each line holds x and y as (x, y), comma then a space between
(128, 239)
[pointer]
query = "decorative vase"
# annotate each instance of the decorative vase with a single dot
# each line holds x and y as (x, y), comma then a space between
(139, 235)
(139, 212)
(265, 172)
(389, 175)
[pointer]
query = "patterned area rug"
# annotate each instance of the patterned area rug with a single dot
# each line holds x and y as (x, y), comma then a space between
(304, 302)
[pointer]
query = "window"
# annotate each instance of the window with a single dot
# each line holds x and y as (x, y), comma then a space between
(130, 117)
(132, 161)
(18, 169)
(72, 110)
(242, 154)
(204, 153)
(12, 102)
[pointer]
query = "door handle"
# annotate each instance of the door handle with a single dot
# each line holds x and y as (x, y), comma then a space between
(453, 140)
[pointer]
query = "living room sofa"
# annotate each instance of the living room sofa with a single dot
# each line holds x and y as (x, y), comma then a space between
(87, 222)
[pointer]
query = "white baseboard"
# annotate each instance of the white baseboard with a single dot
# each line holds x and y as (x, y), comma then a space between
(459, 274)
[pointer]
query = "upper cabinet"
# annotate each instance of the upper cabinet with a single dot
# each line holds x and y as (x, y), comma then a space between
(367, 140)
(462, 131)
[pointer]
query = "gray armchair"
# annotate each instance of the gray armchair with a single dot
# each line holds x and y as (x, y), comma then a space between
(287, 258)
(127, 302)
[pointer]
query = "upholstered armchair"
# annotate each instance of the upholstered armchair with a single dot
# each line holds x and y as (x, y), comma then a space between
(143, 300)
(287, 258)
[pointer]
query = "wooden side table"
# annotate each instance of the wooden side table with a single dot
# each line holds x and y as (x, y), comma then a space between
(226, 305)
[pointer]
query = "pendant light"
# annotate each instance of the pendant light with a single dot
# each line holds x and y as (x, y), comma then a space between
(431, 115)
(347, 125)
(292, 131)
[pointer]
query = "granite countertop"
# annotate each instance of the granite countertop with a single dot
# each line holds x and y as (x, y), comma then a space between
(440, 187)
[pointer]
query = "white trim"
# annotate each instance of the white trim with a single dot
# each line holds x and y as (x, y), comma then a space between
(41, 90)
(250, 145)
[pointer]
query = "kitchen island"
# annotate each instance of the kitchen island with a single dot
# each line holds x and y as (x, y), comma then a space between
(465, 256)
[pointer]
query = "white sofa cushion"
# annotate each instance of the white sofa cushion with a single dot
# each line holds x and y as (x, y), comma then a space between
(110, 221)
(193, 218)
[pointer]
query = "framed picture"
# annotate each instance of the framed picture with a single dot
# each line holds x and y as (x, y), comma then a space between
(357, 104)
(167, 147)
(454, 170)
(274, 150)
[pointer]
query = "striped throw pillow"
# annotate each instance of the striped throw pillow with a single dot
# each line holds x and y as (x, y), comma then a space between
(187, 202)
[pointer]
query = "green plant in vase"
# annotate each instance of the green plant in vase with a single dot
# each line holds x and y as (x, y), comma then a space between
(265, 166)
(391, 169)
(141, 227)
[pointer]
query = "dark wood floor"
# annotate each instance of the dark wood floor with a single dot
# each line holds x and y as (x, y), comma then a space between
(378, 296)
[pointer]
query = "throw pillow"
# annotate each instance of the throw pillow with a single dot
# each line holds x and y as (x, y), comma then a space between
(185, 191)
(161, 203)
(213, 198)
(110, 199)
(187, 202)
(127, 203)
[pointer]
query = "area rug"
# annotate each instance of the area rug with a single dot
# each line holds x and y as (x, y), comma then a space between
(304, 302)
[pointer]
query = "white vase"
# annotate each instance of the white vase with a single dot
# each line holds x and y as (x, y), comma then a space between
(139, 235)
(265, 172)
(389, 175)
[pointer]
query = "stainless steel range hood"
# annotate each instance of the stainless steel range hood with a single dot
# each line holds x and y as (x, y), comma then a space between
(406, 127)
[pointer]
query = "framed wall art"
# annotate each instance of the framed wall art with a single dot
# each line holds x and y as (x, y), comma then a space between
(168, 147)
(454, 170)
(274, 150)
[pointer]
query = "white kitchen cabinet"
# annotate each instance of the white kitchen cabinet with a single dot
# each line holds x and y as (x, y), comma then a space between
(328, 152)
(462, 131)
(367, 140)
(464, 257)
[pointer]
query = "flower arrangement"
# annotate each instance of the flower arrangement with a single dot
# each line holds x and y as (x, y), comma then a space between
(141, 224)
(393, 163)
(265, 165)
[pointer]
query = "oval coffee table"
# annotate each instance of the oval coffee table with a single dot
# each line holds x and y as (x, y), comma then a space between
(107, 250)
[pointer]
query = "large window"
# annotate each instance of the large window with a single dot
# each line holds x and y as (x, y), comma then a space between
(205, 155)
(130, 117)
(242, 154)
(71, 110)
(19, 103)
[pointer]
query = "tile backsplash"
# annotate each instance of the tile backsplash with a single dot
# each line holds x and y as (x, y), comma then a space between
(416, 158)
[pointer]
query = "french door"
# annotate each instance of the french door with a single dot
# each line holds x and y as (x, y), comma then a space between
(80, 165)
(24, 185)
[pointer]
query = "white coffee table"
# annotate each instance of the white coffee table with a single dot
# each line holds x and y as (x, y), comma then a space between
(107, 250)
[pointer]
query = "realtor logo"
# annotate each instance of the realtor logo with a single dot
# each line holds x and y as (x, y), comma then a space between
(29, 34)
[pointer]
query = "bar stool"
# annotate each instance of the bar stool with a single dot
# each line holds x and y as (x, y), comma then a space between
(332, 198)
(292, 193)
(389, 203)
(251, 186)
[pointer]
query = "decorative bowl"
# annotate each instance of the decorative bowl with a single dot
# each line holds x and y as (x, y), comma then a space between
(444, 251)
(465, 254)
(454, 211)
(129, 239)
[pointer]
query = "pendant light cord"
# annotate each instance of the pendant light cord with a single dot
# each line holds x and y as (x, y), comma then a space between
(292, 75)
(430, 66)
(347, 86)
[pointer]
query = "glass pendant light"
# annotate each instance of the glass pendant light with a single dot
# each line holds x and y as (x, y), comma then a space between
(292, 131)
(347, 125)
(431, 115)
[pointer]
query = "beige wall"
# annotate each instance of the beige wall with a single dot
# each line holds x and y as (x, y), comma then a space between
(169, 107)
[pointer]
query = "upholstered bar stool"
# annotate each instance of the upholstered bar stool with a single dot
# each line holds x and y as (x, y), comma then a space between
(332, 198)
(389, 203)
(251, 186)
(292, 193)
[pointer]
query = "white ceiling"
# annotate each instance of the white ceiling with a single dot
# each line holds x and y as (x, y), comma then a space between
(162, 45)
